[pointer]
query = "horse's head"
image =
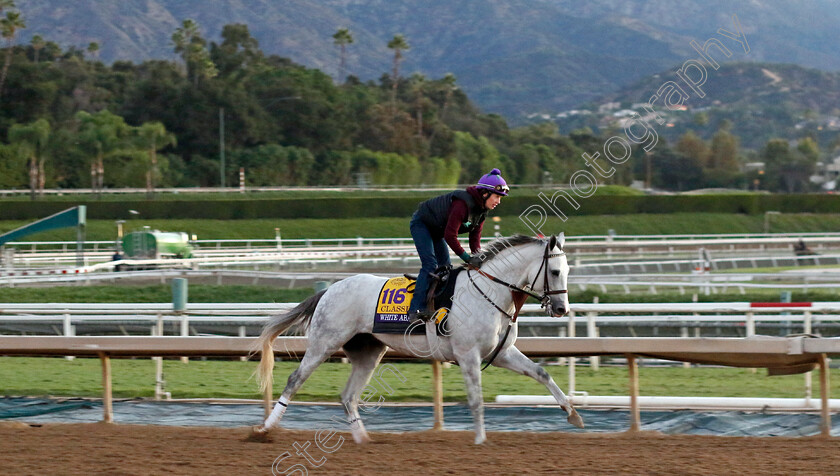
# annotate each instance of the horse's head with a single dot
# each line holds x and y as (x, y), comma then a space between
(554, 280)
(542, 271)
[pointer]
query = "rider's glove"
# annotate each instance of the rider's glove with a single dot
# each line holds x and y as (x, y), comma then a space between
(474, 260)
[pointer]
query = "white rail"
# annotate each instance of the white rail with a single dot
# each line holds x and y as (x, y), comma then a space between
(239, 269)
(574, 243)
(588, 253)
(269, 308)
(61, 318)
(677, 403)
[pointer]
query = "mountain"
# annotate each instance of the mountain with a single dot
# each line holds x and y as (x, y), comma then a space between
(801, 32)
(512, 57)
(760, 100)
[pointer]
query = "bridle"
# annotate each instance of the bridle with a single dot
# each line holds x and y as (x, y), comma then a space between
(544, 298)
(520, 294)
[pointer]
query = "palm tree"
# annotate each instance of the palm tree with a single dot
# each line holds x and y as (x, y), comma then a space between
(448, 83)
(104, 135)
(38, 44)
(52, 51)
(192, 48)
(6, 4)
(418, 84)
(93, 49)
(342, 38)
(183, 36)
(153, 136)
(31, 141)
(8, 29)
(398, 44)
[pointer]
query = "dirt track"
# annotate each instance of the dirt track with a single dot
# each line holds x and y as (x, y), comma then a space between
(132, 450)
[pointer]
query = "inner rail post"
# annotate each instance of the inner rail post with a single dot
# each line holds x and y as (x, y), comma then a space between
(437, 383)
(633, 373)
(107, 393)
(825, 420)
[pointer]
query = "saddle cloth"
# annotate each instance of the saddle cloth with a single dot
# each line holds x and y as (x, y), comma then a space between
(391, 315)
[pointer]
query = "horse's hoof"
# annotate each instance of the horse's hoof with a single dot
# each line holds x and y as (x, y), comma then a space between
(361, 439)
(575, 419)
(259, 434)
(480, 439)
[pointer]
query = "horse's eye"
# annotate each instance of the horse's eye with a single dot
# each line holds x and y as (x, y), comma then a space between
(555, 273)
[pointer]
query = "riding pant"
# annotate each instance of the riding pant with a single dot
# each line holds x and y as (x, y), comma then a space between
(433, 253)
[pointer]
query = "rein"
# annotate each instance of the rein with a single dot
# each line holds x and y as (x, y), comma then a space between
(519, 295)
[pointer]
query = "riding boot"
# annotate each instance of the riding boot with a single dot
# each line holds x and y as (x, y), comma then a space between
(417, 310)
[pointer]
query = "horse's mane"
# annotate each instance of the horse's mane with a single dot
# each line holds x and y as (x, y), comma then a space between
(498, 245)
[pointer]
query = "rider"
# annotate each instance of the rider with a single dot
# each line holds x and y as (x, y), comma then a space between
(437, 223)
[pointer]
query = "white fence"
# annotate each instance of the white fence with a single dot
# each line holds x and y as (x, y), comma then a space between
(248, 270)
(234, 318)
(590, 254)
(156, 318)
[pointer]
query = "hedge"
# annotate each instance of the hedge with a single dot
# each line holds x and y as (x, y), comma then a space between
(403, 207)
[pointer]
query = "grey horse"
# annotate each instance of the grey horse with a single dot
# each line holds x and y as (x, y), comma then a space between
(478, 328)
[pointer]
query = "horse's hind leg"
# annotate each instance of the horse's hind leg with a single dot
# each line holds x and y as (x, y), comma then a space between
(320, 347)
(364, 352)
(511, 358)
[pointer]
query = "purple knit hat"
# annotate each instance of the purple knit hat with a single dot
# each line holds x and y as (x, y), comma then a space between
(494, 182)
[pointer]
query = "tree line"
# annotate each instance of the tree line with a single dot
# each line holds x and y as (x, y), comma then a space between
(70, 121)
(779, 166)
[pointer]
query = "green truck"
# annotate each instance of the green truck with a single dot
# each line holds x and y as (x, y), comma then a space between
(154, 244)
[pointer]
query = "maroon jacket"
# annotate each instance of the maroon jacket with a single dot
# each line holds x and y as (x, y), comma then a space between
(459, 211)
(459, 214)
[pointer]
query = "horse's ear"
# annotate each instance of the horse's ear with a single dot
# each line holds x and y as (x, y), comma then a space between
(552, 242)
(561, 239)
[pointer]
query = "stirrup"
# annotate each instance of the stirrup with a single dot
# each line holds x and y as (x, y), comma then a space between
(420, 315)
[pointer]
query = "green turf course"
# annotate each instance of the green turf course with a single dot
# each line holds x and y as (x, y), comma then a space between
(153, 294)
(638, 224)
(232, 379)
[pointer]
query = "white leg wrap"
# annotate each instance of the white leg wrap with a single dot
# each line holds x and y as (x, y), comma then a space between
(276, 413)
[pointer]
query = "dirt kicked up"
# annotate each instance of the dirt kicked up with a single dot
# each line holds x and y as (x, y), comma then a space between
(83, 449)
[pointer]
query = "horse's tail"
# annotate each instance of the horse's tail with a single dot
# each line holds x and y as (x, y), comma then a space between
(276, 325)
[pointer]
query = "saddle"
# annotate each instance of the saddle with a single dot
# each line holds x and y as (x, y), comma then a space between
(391, 319)
(441, 286)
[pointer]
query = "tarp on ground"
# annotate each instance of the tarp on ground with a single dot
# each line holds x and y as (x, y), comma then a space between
(409, 418)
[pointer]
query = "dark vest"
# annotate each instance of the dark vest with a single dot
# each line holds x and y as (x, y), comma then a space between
(435, 212)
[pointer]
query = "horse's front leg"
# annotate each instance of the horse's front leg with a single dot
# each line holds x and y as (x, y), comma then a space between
(471, 370)
(511, 358)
